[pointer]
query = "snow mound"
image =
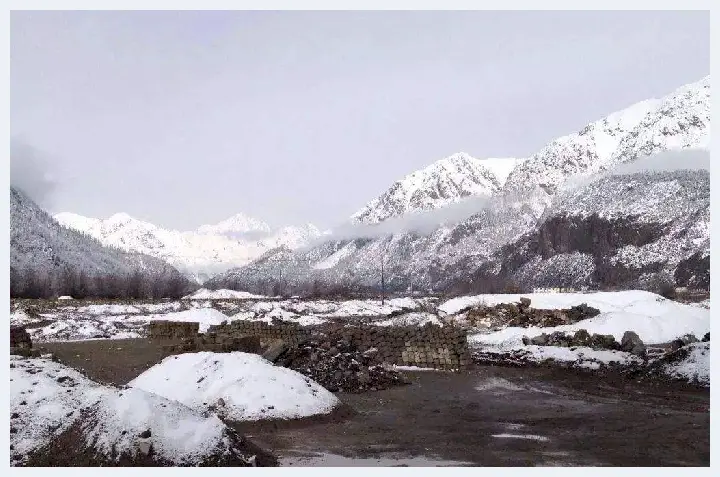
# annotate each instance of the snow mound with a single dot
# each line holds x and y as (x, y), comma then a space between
(695, 366)
(223, 294)
(48, 398)
(45, 399)
(653, 325)
(177, 434)
(238, 386)
(205, 316)
(65, 297)
(603, 301)
(410, 319)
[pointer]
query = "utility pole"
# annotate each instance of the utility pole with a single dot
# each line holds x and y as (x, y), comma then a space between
(382, 279)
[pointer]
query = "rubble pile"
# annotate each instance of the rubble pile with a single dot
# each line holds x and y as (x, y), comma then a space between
(339, 366)
(522, 315)
(630, 343)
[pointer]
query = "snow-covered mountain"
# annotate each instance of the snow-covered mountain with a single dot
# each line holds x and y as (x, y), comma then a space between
(238, 225)
(679, 120)
(47, 258)
(623, 228)
(444, 182)
(199, 254)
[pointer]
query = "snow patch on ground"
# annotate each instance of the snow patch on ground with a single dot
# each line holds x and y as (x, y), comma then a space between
(238, 386)
(205, 316)
(410, 319)
(223, 294)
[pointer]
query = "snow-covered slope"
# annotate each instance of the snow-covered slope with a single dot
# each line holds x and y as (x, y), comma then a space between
(199, 254)
(51, 259)
(677, 121)
(444, 182)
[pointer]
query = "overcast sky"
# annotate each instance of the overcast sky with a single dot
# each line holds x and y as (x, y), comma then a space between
(185, 118)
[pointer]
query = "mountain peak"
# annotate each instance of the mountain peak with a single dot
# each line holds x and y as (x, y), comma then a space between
(237, 224)
(445, 181)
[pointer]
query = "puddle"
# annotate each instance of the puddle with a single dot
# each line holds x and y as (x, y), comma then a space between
(334, 460)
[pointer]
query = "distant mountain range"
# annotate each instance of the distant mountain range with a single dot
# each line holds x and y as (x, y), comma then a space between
(569, 215)
(199, 254)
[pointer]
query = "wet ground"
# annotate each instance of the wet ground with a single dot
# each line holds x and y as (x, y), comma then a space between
(491, 416)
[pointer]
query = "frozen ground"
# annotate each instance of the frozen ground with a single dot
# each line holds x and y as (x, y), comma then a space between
(48, 398)
(238, 386)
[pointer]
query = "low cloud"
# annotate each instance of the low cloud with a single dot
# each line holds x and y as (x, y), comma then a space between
(30, 172)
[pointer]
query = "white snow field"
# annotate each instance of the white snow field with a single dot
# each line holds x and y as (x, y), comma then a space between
(47, 398)
(237, 386)
(223, 294)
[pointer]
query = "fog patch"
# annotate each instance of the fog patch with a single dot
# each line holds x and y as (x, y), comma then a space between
(30, 172)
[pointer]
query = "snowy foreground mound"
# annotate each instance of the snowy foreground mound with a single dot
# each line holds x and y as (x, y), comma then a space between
(237, 386)
(52, 405)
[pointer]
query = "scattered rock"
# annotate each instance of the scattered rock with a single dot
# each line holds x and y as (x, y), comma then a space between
(632, 343)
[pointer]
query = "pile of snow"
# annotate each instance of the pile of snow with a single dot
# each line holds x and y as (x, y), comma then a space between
(177, 434)
(695, 367)
(238, 386)
(654, 318)
(47, 398)
(223, 294)
(65, 297)
(654, 323)
(603, 301)
(205, 316)
(410, 319)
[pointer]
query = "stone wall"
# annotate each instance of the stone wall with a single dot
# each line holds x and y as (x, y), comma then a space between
(172, 330)
(429, 346)
(291, 333)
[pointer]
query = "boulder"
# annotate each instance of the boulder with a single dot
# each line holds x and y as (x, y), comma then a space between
(632, 343)
(525, 302)
(706, 337)
(275, 350)
(541, 340)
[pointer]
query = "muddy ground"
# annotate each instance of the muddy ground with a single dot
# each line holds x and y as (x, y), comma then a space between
(490, 416)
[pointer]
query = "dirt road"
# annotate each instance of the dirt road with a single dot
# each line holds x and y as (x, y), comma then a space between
(492, 416)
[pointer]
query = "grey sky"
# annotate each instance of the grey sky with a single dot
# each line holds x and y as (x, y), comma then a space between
(185, 118)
